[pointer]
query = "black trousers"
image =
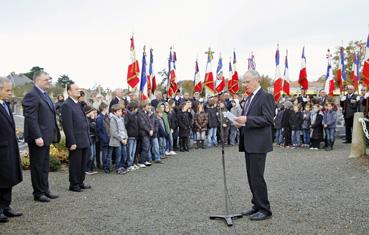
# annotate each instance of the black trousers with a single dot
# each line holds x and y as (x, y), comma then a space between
(5, 197)
(175, 139)
(77, 166)
(349, 122)
(255, 166)
(98, 156)
(39, 165)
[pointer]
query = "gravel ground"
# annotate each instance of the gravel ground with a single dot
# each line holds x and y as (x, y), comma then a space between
(311, 192)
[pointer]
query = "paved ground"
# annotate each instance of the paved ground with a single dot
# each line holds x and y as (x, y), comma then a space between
(311, 192)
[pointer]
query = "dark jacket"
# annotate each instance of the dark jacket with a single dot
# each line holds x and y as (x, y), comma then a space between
(306, 120)
(39, 118)
(75, 125)
(132, 125)
(184, 123)
(296, 120)
(103, 128)
(173, 121)
(93, 132)
(161, 128)
(302, 100)
(330, 119)
(144, 123)
(213, 117)
(278, 120)
(349, 106)
(154, 121)
(10, 165)
(201, 122)
(286, 118)
(317, 127)
(256, 135)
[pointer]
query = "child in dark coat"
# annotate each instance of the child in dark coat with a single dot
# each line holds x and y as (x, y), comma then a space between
(200, 125)
(296, 120)
(316, 118)
(286, 124)
(184, 123)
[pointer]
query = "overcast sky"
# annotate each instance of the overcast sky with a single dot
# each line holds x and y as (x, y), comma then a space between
(89, 40)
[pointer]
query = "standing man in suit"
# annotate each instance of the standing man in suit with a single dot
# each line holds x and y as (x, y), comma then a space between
(349, 106)
(77, 134)
(118, 97)
(10, 166)
(40, 131)
(255, 125)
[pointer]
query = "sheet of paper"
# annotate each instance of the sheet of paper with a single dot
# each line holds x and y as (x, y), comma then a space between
(231, 117)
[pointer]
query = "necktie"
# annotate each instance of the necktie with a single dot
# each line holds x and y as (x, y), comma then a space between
(247, 104)
(48, 100)
(6, 108)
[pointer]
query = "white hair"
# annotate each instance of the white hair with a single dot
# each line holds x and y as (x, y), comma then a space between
(38, 74)
(253, 74)
(4, 80)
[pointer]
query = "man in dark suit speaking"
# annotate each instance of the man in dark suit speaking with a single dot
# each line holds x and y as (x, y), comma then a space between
(77, 135)
(40, 131)
(255, 125)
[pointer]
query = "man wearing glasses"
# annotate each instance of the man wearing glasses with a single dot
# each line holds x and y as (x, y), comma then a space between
(40, 131)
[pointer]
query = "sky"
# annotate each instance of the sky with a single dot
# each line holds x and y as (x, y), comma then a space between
(89, 40)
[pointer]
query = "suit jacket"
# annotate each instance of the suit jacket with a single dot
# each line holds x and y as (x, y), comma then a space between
(75, 125)
(10, 165)
(256, 135)
(145, 125)
(40, 118)
(116, 101)
(349, 106)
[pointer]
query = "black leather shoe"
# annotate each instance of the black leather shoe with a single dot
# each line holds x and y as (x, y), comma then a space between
(259, 216)
(3, 218)
(85, 186)
(51, 195)
(42, 198)
(9, 212)
(75, 189)
(249, 212)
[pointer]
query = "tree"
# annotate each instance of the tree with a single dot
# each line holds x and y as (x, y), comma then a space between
(349, 50)
(64, 81)
(165, 76)
(33, 70)
(266, 82)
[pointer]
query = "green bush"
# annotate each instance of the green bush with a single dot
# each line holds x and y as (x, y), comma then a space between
(54, 163)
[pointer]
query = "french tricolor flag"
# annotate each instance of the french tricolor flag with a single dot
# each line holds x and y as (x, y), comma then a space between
(209, 78)
(329, 82)
(143, 85)
(278, 81)
(197, 83)
(220, 83)
(152, 77)
(355, 71)
(286, 81)
(303, 74)
(366, 64)
(341, 72)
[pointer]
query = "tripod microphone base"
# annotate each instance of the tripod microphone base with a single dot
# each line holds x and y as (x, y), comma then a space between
(228, 218)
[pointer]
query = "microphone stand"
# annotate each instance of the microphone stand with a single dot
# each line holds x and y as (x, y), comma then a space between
(227, 216)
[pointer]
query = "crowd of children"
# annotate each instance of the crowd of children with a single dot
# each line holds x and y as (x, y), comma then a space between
(129, 135)
(133, 135)
(305, 126)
